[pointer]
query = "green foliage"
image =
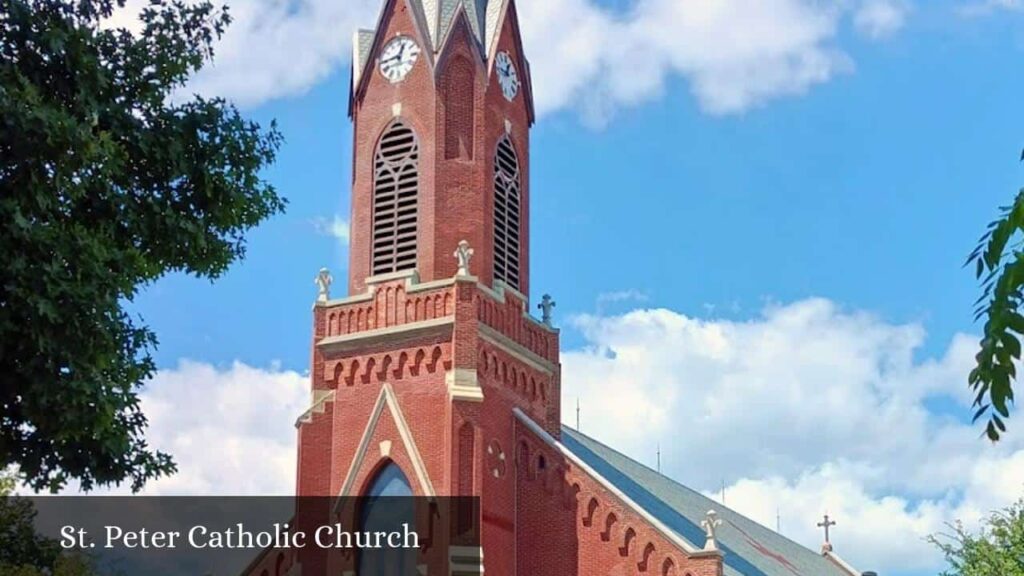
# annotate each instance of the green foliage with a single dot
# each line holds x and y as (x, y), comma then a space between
(109, 179)
(997, 550)
(23, 552)
(998, 262)
(20, 546)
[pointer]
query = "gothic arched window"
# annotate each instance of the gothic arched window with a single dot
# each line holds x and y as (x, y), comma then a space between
(506, 213)
(396, 185)
(387, 505)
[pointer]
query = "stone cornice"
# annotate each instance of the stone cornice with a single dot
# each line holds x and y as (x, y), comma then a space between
(390, 335)
(412, 284)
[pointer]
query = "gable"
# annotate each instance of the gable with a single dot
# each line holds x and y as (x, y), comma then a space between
(385, 433)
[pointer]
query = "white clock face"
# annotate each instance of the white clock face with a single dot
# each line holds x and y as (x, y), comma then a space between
(398, 57)
(508, 79)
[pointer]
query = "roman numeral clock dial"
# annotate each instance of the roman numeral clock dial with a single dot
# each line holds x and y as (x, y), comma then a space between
(508, 79)
(398, 58)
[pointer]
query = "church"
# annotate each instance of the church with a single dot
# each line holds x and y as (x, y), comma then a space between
(436, 376)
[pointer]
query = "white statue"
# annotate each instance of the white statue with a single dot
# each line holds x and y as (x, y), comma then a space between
(463, 254)
(323, 283)
(546, 304)
(711, 523)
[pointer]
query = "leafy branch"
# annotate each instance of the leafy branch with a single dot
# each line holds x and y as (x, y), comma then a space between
(999, 266)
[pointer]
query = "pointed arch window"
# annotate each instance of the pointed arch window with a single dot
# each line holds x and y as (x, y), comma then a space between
(395, 198)
(506, 213)
(388, 504)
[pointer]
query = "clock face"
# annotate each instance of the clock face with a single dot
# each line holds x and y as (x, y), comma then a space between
(398, 57)
(507, 76)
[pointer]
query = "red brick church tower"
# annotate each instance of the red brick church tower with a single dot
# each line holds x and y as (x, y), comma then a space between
(433, 365)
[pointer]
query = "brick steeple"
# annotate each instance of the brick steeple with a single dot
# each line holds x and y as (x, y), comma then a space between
(456, 85)
(426, 361)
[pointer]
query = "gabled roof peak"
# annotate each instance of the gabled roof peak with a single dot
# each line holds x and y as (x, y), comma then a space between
(482, 15)
(439, 16)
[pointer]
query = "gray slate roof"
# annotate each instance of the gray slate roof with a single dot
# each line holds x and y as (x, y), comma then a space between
(749, 548)
(440, 15)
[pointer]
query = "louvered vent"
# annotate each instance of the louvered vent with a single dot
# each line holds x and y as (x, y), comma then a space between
(395, 188)
(506, 214)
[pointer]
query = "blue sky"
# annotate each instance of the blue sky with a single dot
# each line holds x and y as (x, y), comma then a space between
(868, 190)
(848, 201)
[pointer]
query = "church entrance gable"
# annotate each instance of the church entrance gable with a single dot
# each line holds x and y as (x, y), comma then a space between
(387, 436)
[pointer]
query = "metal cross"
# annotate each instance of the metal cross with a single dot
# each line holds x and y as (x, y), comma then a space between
(826, 524)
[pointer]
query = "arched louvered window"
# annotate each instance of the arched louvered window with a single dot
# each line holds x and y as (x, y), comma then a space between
(395, 195)
(506, 213)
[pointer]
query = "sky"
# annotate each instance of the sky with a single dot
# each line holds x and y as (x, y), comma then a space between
(753, 217)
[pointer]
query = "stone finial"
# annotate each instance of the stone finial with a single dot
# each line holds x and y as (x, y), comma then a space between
(545, 306)
(463, 254)
(710, 524)
(323, 284)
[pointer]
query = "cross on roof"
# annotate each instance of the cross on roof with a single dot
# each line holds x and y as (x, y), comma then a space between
(826, 524)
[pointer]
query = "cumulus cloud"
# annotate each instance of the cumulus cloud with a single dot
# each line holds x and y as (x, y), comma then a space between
(880, 18)
(734, 54)
(336, 227)
(231, 430)
(805, 409)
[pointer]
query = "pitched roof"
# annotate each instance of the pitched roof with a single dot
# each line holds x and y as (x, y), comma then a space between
(749, 548)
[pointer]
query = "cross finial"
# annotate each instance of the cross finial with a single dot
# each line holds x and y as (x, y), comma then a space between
(545, 306)
(463, 254)
(710, 524)
(826, 524)
(323, 283)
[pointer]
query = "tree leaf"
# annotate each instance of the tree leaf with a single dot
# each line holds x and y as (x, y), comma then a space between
(112, 184)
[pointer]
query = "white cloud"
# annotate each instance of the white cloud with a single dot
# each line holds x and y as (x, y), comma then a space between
(986, 7)
(734, 54)
(807, 408)
(231, 430)
(337, 228)
(880, 18)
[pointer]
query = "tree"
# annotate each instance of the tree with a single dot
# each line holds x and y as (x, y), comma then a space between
(23, 552)
(997, 550)
(109, 179)
(998, 263)
(19, 543)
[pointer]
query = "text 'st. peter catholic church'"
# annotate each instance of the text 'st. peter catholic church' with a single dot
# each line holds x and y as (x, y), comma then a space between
(433, 375)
